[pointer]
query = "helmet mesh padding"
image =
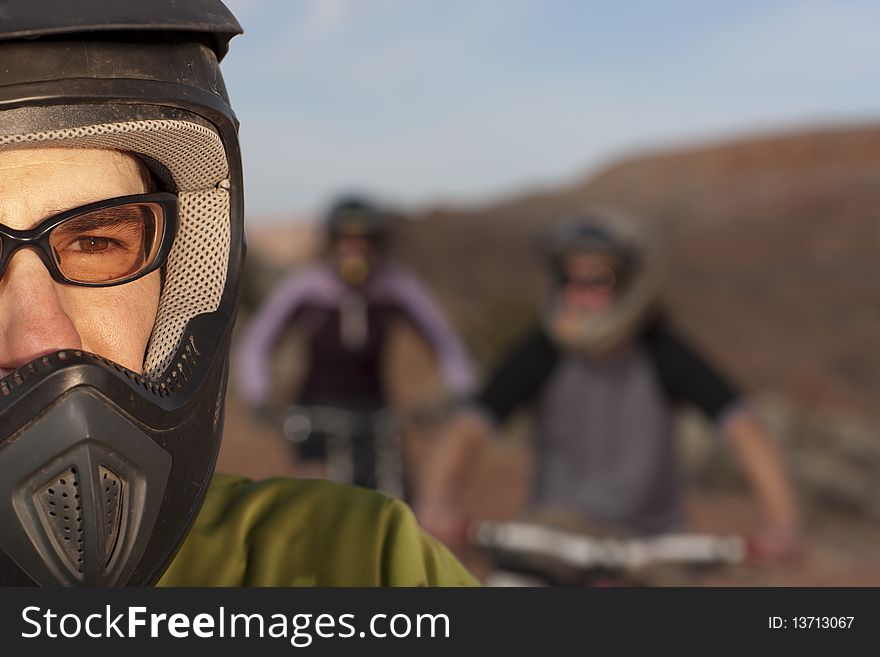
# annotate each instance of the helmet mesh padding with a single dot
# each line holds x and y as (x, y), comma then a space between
(197, 265)
(195, 275)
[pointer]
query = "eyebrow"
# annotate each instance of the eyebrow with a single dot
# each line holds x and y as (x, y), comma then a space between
(95, 220)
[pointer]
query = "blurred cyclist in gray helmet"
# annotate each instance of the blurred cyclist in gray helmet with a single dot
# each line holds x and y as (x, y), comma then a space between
(604, 372)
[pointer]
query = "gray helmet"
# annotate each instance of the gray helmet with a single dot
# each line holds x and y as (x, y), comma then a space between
(129, 455)
(590, 231)
(610, 231)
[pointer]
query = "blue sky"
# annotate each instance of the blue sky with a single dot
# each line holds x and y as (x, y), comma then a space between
(464, 101)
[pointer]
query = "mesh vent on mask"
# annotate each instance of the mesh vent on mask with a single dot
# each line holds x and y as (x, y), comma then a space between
(111, 508)
(61, 510)
(196, 267)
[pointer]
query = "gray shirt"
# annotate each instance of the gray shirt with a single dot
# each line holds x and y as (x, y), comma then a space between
(604, 443)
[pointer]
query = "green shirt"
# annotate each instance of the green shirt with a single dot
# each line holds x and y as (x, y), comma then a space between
(291, 532)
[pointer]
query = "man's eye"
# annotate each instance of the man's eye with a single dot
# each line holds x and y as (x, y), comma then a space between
(90, 244)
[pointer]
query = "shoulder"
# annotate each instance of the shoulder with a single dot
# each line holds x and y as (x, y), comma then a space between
(520, 374)
(668, 347)
(291, 532)
(687, 374)
(535, 347)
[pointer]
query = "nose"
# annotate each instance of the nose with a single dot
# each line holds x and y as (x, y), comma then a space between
(33, 321)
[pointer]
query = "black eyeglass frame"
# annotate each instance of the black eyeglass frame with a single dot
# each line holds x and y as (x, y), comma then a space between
(37, 238)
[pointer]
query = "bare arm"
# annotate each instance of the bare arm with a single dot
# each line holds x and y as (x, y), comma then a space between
(762, 464)
(516, 381)
(261, 333)
(438, 504)
(426, 315)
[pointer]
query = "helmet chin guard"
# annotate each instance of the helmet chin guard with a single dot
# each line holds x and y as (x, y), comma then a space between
(84, 512)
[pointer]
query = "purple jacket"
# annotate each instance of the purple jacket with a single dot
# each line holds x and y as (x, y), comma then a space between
(345, 370)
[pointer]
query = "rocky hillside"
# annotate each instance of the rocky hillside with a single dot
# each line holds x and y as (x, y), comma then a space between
(773, 247)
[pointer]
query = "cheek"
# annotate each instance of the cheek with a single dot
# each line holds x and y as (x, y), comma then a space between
(116, 322)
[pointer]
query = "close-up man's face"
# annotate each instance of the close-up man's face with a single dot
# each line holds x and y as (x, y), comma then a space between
(39, 315)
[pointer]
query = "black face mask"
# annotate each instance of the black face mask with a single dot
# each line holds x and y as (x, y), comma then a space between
(100, 485)
(103, 470)
(84, 513)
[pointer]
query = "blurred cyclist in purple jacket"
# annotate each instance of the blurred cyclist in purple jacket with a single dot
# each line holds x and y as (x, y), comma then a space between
(345, 304)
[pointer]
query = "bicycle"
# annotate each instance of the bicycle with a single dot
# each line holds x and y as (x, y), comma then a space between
(362, 448)
(533, 554)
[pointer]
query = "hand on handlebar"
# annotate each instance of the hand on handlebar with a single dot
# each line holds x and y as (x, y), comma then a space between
(778, 544)
(265, 414)
(444, 522)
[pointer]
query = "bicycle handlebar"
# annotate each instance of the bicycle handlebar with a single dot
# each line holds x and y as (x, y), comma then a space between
(298, 422)
(584, 551)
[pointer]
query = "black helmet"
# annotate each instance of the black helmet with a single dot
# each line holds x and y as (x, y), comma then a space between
(136, 450)
(354, 216)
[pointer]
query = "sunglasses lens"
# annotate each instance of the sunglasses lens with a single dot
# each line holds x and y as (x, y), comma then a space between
(603, 279)
(109, 245)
